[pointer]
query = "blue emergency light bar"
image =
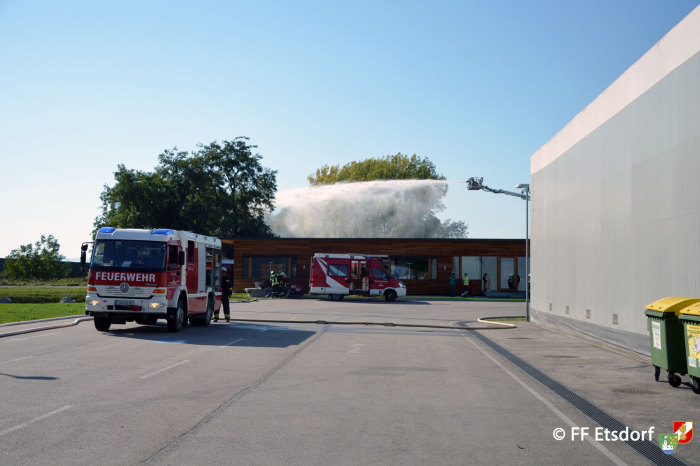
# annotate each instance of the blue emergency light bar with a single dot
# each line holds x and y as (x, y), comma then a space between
(163, 231)
(106, 230)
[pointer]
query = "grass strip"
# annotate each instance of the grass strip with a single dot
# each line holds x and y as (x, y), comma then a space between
(80, 282)
(43, 294)
(14, 312)
(22, 312)
(53, 294)
(239, 297)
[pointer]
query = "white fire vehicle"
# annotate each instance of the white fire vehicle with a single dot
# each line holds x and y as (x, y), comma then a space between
(338, 275)
(146, 275)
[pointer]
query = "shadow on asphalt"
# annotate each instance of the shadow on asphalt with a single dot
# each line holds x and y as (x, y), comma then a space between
(222, 334)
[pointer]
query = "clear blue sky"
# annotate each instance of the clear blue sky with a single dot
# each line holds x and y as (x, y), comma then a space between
(476, 86)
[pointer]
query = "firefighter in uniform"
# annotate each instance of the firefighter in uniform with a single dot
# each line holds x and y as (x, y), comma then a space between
(227, 290)
(274, 281)
(466, 291)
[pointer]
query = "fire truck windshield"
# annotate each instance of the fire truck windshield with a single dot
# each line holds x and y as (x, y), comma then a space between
(146, 256)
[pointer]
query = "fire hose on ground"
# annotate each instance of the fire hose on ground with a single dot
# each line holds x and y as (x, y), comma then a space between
(485, 320)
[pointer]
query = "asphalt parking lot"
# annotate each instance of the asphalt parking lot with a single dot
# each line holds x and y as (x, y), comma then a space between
(310, 381)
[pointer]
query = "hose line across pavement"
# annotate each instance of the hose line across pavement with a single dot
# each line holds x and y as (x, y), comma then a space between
(489, 320)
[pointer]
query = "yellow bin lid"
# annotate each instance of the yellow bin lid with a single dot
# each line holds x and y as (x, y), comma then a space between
(672, 304)
(693, 309)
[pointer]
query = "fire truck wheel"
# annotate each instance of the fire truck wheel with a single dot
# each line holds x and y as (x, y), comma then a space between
(210, 311)
(203, 320)
(176, 317)
(390, 295)
(102, 323)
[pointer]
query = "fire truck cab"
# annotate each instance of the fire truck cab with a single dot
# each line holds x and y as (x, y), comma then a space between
(338, 275)
(147, 275)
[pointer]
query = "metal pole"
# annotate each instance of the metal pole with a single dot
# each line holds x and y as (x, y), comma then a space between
(475, 184)
(527, 256)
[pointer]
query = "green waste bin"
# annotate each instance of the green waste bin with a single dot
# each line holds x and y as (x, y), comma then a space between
(690, 318)
(666, 337)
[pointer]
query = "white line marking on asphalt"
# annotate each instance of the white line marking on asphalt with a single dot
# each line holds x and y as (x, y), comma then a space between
(165, 369)
(610, 455)
(232, 343)
(25, 424)
(356, 348)
(32, 337)
(16, 359)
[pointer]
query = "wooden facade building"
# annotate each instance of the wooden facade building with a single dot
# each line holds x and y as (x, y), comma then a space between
(424, 265)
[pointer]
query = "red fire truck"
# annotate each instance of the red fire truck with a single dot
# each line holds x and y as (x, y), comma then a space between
(338, 275)
(146, 275)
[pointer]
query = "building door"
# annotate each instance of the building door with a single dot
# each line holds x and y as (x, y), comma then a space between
(507, 274)
(489, 271)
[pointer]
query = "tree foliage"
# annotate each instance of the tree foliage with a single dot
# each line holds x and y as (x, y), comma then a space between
(38, 261)
(391, 167)
(221, 189)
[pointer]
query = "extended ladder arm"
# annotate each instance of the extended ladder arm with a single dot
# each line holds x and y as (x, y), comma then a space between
(476, 184)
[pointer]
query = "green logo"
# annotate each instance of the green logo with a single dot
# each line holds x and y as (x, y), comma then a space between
(668, 443)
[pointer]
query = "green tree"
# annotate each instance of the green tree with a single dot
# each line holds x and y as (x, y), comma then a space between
(38, 261)
(220, 189)
(396, 196)
(391, 167)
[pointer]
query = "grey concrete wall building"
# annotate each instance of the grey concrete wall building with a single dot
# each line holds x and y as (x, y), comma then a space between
(616, 199)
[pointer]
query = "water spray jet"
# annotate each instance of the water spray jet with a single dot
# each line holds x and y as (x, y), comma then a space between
(369, 209)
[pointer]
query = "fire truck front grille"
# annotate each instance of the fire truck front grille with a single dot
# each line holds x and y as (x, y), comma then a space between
(134, 292)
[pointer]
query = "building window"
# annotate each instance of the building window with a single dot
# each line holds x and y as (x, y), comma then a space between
(508, 278)
(483, 268)
(489, 273)
(259, 267)
(414, 268)
(522, 274)
(472, 266)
